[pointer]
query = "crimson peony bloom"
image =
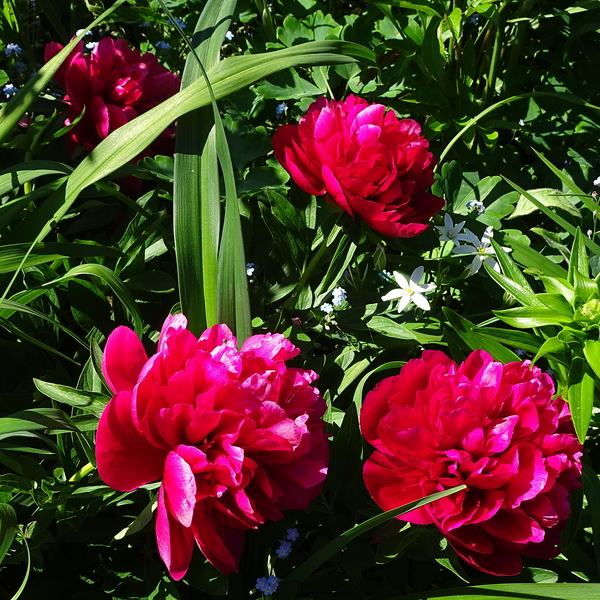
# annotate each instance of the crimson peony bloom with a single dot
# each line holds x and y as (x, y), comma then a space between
(113, 84)
(365, 161)
(492, 427)
(235, 436)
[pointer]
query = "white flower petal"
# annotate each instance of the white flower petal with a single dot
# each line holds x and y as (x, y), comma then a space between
(426, 288)
(448, 221)
(492, 263)
(476, 264)
(421, 301)
(404, 302)
(469, 236)
(393, 295)
(401, 280)
(464, 250)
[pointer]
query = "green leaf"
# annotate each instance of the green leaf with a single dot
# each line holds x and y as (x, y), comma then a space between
(8, 528)
(390, 328)
(469, 333)
(534, 260)
(552, 215)
(524, 295)
(549, 198)
(580, 396)
(15, 256)
(92, 401)
(434, 57)
(591, 351)
(513, 591)
(511, 337)
(196, 190)
(423, 6)
(524, 317)
(14, 177)
(358, 393)
(510, 269)
(300, 573)
(112, 281)
(556, 302)
(579, 258)
(140, 521)
(37, 419)
(552, 345)
(345, 466)
(557, 285)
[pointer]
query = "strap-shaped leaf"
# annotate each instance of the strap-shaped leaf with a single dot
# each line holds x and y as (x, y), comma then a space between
(196, 193)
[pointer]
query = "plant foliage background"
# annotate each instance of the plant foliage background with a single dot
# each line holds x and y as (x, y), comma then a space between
(508, 95)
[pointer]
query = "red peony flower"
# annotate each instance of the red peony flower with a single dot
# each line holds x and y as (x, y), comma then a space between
(235, 436)
(365, 161)
(492, 427)
(113, 84)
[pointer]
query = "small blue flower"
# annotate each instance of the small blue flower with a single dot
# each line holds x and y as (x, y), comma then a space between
(284, 549)
(12, 49)
(292, 534)
(250, 267)
(550, 372)
(162, 45)
(176, 21)
(474, 18)
(478, 205)
(20, 66)
(145, 24)
(91, 45)
(280, 109)
(520, 352)
(229, 35)
(339, 296)
(261, 582)
(10, 90)
(326, 307)
(273, 581)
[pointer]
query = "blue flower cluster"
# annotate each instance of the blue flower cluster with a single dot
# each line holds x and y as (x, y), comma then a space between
(12, 49)
(176, 21)
(162, 45)
(267, 585)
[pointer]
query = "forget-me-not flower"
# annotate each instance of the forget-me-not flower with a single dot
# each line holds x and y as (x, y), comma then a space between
(162, 45)
(13, 49)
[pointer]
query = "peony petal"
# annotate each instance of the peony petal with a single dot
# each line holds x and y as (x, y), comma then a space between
(175, 542)
(125, 458)
(179, 486)
(124, 358)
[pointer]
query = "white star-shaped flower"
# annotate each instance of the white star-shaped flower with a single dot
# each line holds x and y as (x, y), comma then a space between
(451, 232)
(483, 250)
(410, 291)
